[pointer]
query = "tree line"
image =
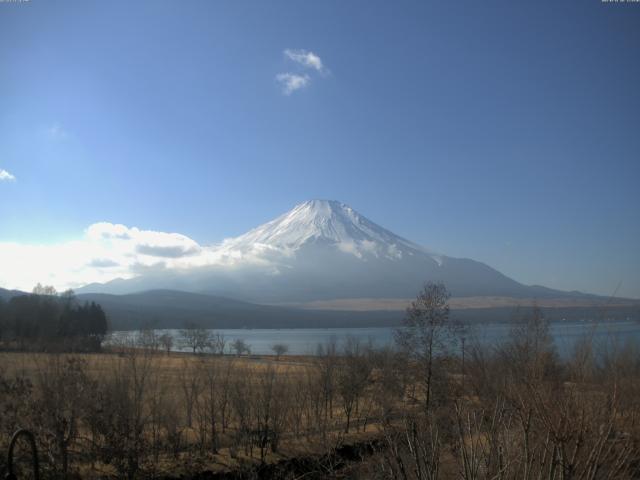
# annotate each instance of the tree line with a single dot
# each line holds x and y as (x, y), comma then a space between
(45, 319)
(192, 338)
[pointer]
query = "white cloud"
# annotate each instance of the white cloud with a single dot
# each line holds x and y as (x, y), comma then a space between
(4, 175)
(291, 82)
(305, 58)
(107, 251)
(144, 242)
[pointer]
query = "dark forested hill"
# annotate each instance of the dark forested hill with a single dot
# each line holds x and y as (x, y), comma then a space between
(8, 294)
(172, 309)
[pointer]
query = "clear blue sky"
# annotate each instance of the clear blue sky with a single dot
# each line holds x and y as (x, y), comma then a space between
(507, 132)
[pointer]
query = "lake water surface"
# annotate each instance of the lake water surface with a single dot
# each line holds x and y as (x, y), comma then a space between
(304, 341)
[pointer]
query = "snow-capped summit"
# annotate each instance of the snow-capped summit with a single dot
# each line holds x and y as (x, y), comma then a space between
(328, 222)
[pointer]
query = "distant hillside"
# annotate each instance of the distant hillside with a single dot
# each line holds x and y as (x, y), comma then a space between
(8, 294)
(172, 309)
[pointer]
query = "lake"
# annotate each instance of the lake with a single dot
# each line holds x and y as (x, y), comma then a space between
(304, 341)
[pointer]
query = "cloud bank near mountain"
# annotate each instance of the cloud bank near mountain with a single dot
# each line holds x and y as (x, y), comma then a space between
(319, 250)
(106, 251)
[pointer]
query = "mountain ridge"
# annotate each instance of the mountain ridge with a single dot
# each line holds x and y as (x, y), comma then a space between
(323, 250)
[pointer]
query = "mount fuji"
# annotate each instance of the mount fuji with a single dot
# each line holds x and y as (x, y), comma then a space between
(324, 250)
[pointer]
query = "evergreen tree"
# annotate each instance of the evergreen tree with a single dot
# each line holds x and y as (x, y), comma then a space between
(44, 317)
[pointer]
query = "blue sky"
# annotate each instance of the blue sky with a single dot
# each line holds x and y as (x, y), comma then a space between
(502, 131)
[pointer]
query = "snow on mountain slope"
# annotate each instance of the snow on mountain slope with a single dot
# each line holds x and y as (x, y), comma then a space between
(321, 250)
(330, 222)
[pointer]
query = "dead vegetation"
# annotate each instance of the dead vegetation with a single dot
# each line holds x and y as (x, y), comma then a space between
(513, 411)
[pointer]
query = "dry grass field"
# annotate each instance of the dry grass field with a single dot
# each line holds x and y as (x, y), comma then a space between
(195, 412)
(508, 412)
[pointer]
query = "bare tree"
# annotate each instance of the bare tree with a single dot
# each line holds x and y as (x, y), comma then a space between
(217, 343)
(279, 349)
(326, 363)
(530, 352)
(426, 331)
(353, 377)
(166, 340)
(241, 395)
(190, 383)
(270, 407)
(62, 384)
(148, 339)
(196, 338)
(212, 403)
(240, 347)
(391, 382)
(118, 416)
(225, 379)
(48, 290)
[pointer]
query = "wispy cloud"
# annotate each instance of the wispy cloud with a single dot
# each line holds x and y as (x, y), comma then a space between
(291, 82)
(56, 132)
(6, 176)
(306, 59)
